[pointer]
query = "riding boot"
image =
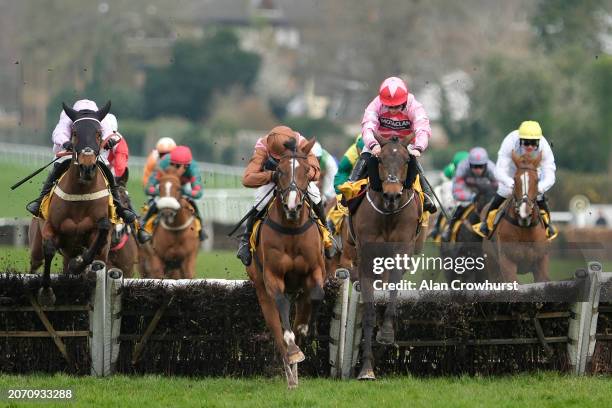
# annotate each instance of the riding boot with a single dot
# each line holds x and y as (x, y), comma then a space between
(201, 234)
(435, 231)
(244, 247)
(361, 167)
(319, 211)
(428, 205)
(446, 235)
(54, 175)
(125, 213)
(142, 235)
(495, 203)
(543, 205)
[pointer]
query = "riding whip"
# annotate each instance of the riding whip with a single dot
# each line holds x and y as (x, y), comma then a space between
(251, 212)
(422, 174)
(14, 186)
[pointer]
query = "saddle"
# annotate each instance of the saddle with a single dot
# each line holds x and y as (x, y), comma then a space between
(464, 216)
(46, 201)
(153, 221)
(495, 216)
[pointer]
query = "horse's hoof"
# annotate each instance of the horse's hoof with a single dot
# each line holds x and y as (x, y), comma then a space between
(385, 337)
(296, 357)
(366, 375)
(46, 297)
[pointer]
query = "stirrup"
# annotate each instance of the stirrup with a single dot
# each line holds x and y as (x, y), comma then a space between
(429, 205)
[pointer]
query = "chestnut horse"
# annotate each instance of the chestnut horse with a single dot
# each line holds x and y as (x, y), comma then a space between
(389, 214)
(519, 243)
(78, 223)
(173, 249)
(123, 252)
(289, 260)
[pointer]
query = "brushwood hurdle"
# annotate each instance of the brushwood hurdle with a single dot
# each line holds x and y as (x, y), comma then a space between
(103, 324)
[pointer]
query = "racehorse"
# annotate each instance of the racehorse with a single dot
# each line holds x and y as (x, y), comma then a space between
(123, 252)
(173, 249)
(468, 244)
(518, 243)
(389, 214)
(78, 223)
(289, 260)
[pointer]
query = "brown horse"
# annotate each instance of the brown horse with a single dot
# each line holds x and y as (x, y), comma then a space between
(289, 260)
(173, 249)
(123, 252)
(78, 223)
(389, 214)
(519, 242)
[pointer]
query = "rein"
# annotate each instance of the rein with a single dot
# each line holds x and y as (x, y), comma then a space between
(180, 227)
(289, 230)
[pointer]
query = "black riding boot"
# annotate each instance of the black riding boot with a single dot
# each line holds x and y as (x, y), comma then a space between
(244, 248)
(446, 235)
(361, 167)
(125, 213)
(57, 171)
(495, 203)
(143, 236)
(202, 234)
(543, 205)
(428, 205)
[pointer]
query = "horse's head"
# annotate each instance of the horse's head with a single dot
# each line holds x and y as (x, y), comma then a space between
(168, 202)
(86, 138)
(292, 177)
(393, 169)
(525, 190)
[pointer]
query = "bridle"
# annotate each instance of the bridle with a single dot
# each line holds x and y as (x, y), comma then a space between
(88, 150)
(292, 187)
(524, 198)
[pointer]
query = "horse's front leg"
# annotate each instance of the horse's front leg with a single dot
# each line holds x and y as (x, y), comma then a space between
(46, 297)
(507, 269)
(78, 264)
(386, 333)
(540, 274)
(188, 265)
(275, 287)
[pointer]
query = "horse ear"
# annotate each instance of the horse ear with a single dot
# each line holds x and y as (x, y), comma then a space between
(308, 146)
(72, 114)
(104, 111)
(516, 158)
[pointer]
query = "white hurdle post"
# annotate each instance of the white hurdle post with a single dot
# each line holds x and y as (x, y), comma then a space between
(353, 332)
(114, 282)
(97, 319)
(337, 329)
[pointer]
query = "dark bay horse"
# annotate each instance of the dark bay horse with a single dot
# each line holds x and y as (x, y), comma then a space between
(389, 214)
(78, 223)
(289, 260)
(468, 244)
(123, 253)
(519, 243)
(173, 249)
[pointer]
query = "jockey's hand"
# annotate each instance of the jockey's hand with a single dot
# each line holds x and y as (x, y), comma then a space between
(376, 150)
(414, 152)
(111, 142)
(67, 146)
(270, 164)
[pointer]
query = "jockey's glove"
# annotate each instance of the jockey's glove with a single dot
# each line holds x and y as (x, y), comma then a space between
(270, 164)
(67, 146)
(111, 142)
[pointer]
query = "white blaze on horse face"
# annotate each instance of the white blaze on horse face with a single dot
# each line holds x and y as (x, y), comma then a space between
(292, 200)
(289, 337)
(168, 186)
(524, 209)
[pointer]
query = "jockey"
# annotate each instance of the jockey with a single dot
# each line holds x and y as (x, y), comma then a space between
(329, 168)
(164, 145)
(527, 139)
(347, 162)
(61, 141)
(444, 190)
(119, 155)
(258, 174)
(394, 112)
(191, 183)
(475, 171)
